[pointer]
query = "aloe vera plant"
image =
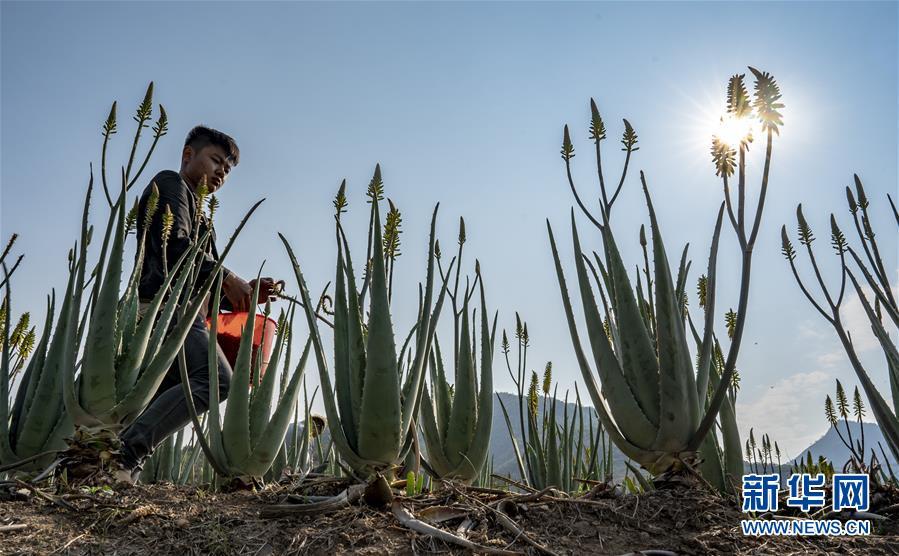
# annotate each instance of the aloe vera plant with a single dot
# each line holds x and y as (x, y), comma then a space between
(244, 444)
(567, 456)
(35, 424)
(653, 404)
(372, 407)
(125, 357)
(869, 263)
(559, 451)
(295, 455)
(29, 431)
(456, 424)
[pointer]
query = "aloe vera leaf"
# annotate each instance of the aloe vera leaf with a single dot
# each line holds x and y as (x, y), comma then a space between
(61, 357)
(174, 459)
(553, 471)
(337, 435)
(712, 466)
(613, 335)
(195, 451)
(476, 455)
(894, 384)
(536, 449)
(236, 424)
(98, 390)
(511, 431)
(610, 311)
(705, 349)
(436, 457)
(261, 402)
(623, 444)
(566, 446)
(128, 321)
(428, 323)
(645, 311)
(56, 439)
(579, 447)
(137, 353)
(128, 316)
(403, 357)
(463, 418)
(416, 370)
(131, 290)
(679, 414)
(380, 434)
(644, 483)
(887, 421)
(149, 380)
(159, 315)
(342, 351)
(440, 419)
(216, 447)
(683, 270)
(733, 453)
(637, 354)
(442, 393)
(6, 451)
(356, 345)
(216, 461)
(624, 401)
(32, 375)
(265, 450)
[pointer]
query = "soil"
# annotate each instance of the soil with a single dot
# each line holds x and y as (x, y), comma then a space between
(165, 519)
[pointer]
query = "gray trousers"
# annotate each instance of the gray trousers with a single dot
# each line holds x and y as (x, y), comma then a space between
(167, 412)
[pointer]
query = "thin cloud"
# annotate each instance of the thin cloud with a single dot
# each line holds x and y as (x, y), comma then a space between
(790, 411)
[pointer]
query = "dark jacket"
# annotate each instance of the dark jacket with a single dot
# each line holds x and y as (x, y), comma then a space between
(176, 194)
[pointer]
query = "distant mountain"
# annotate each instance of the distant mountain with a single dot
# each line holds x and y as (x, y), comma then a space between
(501, 445)
(831, 447)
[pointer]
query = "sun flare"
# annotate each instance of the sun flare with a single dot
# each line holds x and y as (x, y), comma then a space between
(732, 130)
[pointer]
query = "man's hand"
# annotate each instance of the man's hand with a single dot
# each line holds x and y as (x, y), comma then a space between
(238, 291)
(266, 285)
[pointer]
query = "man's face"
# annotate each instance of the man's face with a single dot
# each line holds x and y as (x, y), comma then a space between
(211, 161)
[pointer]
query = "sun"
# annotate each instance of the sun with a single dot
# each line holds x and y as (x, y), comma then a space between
(732, 130)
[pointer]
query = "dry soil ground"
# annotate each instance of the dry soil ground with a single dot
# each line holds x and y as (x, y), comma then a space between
(163, 519)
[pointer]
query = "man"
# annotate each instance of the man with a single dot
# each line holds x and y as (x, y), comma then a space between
(208, 156)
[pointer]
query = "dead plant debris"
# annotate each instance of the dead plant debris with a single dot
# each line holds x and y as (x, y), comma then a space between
(181, 520)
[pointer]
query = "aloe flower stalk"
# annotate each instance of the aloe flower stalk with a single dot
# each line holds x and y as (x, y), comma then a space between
(372, 407)
(869, 263)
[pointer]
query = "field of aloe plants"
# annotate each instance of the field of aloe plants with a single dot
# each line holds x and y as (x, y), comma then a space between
(401, 461)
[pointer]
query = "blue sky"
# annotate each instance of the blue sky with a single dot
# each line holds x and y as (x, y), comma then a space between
(464, 103)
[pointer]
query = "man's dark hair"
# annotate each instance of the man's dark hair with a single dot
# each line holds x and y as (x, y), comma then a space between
(201, 136)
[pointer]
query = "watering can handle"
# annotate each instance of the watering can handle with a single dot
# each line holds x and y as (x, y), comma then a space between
(277, 290)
